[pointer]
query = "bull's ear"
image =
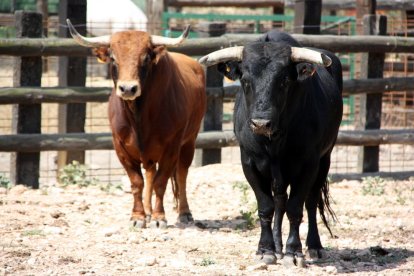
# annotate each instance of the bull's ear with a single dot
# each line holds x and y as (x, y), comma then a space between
(102, 54)
(157, 53)
(305, 70)
(230, 69)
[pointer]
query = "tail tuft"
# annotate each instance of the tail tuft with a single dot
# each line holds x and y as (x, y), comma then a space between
(324, 203)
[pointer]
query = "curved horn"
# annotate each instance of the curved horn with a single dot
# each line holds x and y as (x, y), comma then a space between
(308, 55)
(223, 55)
(167, 41)
(87, 41)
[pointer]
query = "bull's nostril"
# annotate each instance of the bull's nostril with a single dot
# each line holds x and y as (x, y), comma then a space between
(134, 89)
(252, 123)
(122, 88)
(260, 123)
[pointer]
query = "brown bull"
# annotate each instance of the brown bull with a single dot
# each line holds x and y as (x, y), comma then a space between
(155, 111)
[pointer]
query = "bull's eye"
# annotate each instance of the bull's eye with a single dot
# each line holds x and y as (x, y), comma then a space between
(145, 59)
(114, 71)
(245, 85)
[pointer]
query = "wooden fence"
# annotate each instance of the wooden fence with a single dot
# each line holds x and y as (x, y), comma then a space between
(34, 47)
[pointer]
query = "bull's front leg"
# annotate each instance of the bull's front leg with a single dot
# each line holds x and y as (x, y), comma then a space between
(280, 209)
(137, 185)
(300, 186)
(294, 211)
(165, 171)
(148, 190)
(262, 190)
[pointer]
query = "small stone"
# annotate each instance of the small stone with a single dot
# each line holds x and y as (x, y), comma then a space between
(3, 191)
(56, 214)
(331, 269)
(181, 260)
(18, 190)
(107, 232)
(147, 261)
(60, 223)
(162, 264)
(31, 261)
(365, 252)
(259, 266)
(52, 230)
(55, 191)
(83, 207)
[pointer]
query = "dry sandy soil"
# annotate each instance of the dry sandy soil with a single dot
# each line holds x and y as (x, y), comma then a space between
(72, 231)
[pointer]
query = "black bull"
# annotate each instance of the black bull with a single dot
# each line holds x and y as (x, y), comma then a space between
(286, 120)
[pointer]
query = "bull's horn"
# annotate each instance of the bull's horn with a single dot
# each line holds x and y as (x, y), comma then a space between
(168, 41)
(223, 55)
(308, 55)
(91, 42)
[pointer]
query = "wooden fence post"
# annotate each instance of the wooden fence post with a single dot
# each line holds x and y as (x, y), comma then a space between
(307, 16)
(155, 8)
(26, 118)
(213, 119)
(372, 66)
(72, 72)
(278, 10)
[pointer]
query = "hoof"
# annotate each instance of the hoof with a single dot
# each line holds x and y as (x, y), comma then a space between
(267, 258)
(316, 254)
(161, 224)
(290, 260)
(139, 224)
(300, 262)
(279, 256)
(185, 218)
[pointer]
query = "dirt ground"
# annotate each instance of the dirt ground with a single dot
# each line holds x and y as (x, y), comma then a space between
(86, 231)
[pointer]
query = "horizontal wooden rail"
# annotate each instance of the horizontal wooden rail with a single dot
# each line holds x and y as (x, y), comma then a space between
(205, 140)
(326, 4)
(94, 141)
(202, 46)
(400, 175)
(226, 3)
(30, 95)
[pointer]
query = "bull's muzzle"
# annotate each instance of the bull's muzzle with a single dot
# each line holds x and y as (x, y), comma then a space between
(128, 90)
(261, 127)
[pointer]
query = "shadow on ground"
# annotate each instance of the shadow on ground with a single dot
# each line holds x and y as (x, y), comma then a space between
(369, 259)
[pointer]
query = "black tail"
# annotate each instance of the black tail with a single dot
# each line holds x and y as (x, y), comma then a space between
(323, 204)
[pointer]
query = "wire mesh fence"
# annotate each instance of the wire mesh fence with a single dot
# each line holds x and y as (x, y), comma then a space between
(397, 109)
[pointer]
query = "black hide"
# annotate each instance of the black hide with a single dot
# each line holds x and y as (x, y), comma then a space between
(286, 119)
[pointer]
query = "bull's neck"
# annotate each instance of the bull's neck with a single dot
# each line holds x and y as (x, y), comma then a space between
(134, 109)
(293, 105)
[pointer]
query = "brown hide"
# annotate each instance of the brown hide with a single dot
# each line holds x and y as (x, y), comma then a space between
(158, 128)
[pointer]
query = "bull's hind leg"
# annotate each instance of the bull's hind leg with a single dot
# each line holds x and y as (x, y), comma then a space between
(313, 241)
(184, 162)
(279, 188)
